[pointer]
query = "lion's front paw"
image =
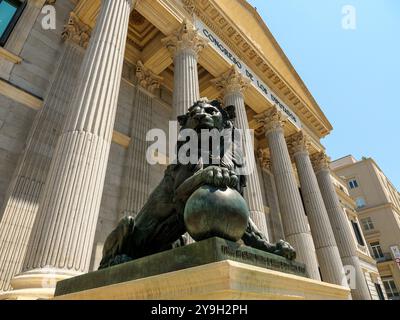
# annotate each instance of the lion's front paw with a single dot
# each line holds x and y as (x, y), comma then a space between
(284, 249)
(220, 177)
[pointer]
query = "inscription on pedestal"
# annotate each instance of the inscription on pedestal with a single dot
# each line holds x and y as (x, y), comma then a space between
(262, 260)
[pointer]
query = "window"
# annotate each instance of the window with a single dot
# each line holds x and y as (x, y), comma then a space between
(367, 224)
(10, 11)
(377, 250)
(353, 184)
(357, 232)
(390, 288)
(379, 291)
(360, 202)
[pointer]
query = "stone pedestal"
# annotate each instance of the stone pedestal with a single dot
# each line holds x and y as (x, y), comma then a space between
(209, 269)
(196, 254)
(223, 280)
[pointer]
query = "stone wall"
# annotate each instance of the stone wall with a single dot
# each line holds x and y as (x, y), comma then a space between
(41, 52)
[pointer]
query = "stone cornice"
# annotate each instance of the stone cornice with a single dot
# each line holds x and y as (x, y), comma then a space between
(272, 120)
(320, 161)
(186, 38)
(212, 13)
(76, 31)
(231, 81)
(146, 78)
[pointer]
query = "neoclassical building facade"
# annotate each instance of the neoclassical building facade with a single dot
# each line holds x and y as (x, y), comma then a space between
(77, 101)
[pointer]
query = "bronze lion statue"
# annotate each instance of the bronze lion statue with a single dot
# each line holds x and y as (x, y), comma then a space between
(159, 225)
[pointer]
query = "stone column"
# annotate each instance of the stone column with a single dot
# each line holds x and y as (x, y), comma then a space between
(330, 264)
(294, 219)
(136, 181)
(341, 228)
(185, 44)
(63, 233)
(20, 208)
(275, 223)
(233, 84)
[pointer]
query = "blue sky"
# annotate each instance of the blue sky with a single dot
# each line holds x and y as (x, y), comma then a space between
(353, 74)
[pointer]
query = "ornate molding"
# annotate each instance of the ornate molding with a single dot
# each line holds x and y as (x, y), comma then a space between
(146, 78)
(186, 38)
(231, 81)
(189, 6)
(272, 120)
(320, 161)
(298, 142)
(76, 31)
(265, 160)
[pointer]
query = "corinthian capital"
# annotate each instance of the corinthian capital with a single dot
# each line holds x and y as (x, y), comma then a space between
(76, 31)
(231, 81)
(320, 161)
(264, 159)
(146, 78)
(186, 38)
(272, 120)
(298, 142)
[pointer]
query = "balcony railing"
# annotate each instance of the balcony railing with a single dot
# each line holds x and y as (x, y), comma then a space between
(386, 257)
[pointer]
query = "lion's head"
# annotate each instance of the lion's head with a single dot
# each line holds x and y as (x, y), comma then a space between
(226, 151)
(209, 115)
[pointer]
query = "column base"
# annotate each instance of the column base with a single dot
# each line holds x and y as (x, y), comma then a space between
(36, 284)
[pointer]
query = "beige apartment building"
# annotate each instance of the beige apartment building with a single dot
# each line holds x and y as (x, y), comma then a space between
(378, 208)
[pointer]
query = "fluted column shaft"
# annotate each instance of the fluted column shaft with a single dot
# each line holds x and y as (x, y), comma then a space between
(186, 82)
(275, 222)
(21, 206)
(185, 44)
(341, 227)
(330, 264)
(63, 234)
(292, 212)
(233, 85)
(136, 181)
